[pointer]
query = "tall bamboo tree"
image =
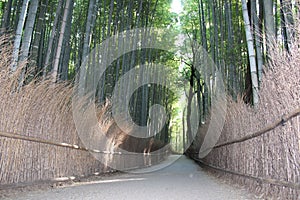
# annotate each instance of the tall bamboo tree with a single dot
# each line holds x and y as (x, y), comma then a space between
(67, 10)
(18, 37)
(53, 34)
(251, 53)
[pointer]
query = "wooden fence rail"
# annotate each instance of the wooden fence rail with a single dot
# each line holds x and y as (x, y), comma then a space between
(281, 121)
(263, 131)
(265, 180)
(66, 145)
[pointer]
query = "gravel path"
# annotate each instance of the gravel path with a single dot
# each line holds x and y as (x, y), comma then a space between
(181, 180)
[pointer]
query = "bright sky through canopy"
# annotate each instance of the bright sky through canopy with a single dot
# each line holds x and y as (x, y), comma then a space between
(176, 6)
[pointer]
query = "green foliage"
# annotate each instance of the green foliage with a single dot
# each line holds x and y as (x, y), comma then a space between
(217, 25)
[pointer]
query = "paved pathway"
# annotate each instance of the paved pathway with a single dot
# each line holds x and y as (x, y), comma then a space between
(183, 180)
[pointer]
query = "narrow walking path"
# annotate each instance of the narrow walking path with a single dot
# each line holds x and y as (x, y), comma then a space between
(181, 180)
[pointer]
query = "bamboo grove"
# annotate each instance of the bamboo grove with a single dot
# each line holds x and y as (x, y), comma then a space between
(54, 37)
(237, 34)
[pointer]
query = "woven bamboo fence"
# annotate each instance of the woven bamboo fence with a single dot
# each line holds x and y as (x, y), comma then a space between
(260, 148)
(38, 137)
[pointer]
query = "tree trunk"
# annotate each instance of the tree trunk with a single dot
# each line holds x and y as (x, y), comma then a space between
(102, 85)
(145, 91)
(251, 53)
(52, 36)
(108, 87)
(230, 51)
(203, 24)
(257, 31)
(39, 30)
(88, 29)
(26, 42)
(6, 16)
(215, 32)
(87, 37)
(67, 48)
(269, 22)
(183, 130)
(17, 13)
(69, 5)
(287, 20)
(18, 37)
